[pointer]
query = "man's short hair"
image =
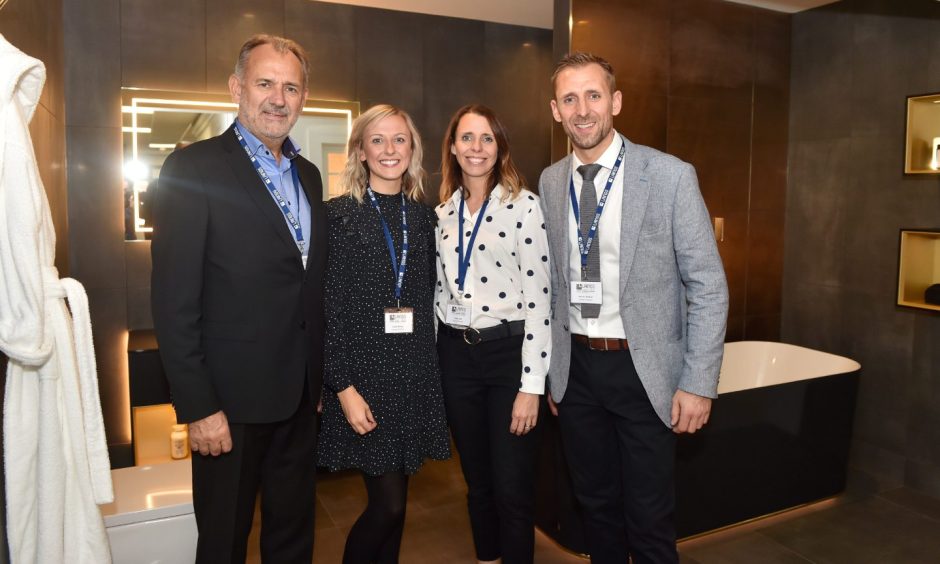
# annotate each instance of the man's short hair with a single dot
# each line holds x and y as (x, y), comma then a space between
(280, 44)
(579, 59)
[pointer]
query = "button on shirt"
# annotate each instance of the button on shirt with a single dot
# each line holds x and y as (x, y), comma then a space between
(508, 277)
(608, 324)
(283, 180)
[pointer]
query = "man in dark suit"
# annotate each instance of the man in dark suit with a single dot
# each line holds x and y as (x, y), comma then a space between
(639, 307)
(239, 250)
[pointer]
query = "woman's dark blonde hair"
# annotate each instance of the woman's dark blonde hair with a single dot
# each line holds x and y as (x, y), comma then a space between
(505, 171)
(355, 175)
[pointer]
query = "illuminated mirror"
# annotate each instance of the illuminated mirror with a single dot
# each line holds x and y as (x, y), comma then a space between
(155, 123)
(922, 154)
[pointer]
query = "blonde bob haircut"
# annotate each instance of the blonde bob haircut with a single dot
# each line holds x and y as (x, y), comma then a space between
(355, 176)
(504, 172)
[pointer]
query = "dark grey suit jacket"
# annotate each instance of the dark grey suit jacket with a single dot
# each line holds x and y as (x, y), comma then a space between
(673, 292)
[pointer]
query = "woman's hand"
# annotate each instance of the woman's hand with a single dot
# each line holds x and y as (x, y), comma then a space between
(356, 411)
(525, 413)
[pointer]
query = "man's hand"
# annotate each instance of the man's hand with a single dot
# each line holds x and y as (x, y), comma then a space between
(356, 411)
(689, 412)
(211, 435)
(525, 413)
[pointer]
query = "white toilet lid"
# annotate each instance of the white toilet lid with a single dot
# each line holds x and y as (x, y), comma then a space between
(146, 493)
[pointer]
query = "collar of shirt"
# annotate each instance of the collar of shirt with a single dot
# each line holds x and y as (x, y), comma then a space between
(497, 194)
(260, 151)
(607, 159)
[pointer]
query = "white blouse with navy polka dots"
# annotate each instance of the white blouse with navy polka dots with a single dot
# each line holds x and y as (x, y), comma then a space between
(508, 277)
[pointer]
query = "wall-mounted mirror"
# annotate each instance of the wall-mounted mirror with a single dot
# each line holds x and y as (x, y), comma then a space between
(155, 123)
(922, 152)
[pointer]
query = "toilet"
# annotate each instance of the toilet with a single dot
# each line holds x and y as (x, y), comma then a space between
(151, 520)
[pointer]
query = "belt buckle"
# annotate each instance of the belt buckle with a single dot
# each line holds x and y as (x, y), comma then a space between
(469, 338)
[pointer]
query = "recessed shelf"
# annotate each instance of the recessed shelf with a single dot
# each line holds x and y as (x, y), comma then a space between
(918, 266)
(922, 141)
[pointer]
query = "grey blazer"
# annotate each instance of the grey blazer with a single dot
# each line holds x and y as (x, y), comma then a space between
(673, 292)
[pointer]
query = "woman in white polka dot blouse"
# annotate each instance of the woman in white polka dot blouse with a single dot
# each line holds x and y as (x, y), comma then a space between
(492, 304)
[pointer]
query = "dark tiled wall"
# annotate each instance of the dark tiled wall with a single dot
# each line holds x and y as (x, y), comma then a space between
(853, 64)
(427, 64)
(708, 81)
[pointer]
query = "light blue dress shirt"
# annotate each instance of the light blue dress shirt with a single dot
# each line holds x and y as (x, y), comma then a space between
(283, 180)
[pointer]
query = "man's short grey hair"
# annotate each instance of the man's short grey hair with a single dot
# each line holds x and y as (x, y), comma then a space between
(280, 44)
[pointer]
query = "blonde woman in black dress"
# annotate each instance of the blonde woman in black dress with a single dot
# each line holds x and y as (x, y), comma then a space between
(383, 411)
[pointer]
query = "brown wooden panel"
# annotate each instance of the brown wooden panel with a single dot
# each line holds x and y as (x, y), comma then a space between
(711, 49)
(632, 34)
(643, 117)
(714, 135)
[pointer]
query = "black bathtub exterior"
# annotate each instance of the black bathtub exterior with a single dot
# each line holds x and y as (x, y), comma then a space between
(764, 450)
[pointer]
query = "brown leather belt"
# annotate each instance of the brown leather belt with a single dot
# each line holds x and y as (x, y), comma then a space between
(601, 343)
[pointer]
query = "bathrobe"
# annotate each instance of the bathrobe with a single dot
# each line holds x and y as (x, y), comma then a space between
(55, 454)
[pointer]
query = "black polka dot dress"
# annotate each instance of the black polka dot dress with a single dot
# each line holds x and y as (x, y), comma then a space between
(396, 374)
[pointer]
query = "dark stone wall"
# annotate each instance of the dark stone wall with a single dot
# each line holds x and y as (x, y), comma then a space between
(429, 65)
(853, 64)
(708, 81)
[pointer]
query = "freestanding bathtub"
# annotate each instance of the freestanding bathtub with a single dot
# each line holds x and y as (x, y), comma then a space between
(778, 437)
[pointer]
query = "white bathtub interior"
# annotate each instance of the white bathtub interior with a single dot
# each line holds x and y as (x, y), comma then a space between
(151, 519)
(755, 364)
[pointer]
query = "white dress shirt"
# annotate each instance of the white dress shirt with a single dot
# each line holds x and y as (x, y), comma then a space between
(508, 277)
(608, 324)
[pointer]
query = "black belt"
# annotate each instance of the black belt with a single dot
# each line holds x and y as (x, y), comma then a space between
(473, 336)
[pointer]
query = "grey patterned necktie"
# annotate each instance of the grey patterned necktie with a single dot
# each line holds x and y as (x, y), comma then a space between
(588, 207)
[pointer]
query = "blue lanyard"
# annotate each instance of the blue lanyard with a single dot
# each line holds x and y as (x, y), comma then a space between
(396, 266)
(463, 263)
(281, 203)
(585, 246)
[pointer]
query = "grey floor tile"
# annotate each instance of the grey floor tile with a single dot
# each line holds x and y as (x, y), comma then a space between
(746, 548)
(915, 501)
(871, 530)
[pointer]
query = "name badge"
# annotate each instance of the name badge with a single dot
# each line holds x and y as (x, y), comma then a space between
(458, 314)
(399, 320)
(586, 292)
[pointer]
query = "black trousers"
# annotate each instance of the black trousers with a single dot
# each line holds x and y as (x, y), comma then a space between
(622, 459)
(279, 459)
(480, 385)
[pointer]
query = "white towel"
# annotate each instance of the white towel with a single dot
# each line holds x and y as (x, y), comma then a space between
(55, 454)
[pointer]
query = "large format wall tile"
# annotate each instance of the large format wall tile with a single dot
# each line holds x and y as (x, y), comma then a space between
(228, 24)
(328, 33)
(456, 48)
(93, 63)
(163, 44)
(388, 56)
(96, 208)
(821, 75)
(854, 63)
(517, 88)
(108, 309)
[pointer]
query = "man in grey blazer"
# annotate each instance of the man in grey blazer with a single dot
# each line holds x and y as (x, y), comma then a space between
(639, 310)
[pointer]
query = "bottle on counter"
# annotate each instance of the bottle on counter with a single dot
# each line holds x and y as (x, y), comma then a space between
(179, 442)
